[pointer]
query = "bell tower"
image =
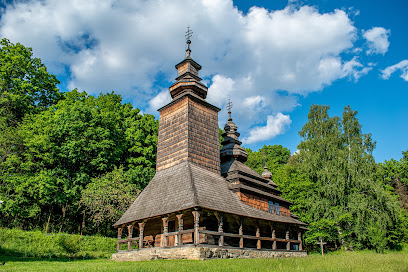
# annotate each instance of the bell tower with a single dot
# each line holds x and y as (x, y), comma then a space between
(188, 125)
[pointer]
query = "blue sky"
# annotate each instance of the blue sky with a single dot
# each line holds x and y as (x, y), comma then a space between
(273, 59)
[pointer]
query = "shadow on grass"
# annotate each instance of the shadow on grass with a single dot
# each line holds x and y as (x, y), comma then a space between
(7, 255)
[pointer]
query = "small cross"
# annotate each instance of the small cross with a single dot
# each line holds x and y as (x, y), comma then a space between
(321, 243)
(188, 35)
(229, 107)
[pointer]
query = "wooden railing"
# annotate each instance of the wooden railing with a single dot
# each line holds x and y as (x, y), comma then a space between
(129, 242)
(225, 234)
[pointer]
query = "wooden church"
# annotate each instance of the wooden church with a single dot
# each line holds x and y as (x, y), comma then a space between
(204, 202)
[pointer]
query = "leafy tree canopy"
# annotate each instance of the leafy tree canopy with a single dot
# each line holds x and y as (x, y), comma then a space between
(25, 84)
(69, 144)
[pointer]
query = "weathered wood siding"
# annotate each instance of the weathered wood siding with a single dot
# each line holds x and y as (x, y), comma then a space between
(188, 131)
(261, 203)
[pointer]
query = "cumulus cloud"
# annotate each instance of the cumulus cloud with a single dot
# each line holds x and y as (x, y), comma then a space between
(377, 40)
(263, 60)
(275, 125)
(402, 66)
(160, 100)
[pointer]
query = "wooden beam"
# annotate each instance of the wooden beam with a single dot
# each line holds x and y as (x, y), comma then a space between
(274, 246)
(196, 215)
(130, 234)
(141, 230)
(220, 218)
(258, 234)
(300, 240)
(241, 232)
(119, 238)
(180, 228)
(165, 231)
(287, 238)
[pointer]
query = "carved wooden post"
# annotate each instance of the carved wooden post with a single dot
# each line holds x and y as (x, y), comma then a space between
(165, 231)
(273, 237)
(220, 218)
(287, 238)
(141, 230)
(119, 237)
(180, 228)
(300, 240)
(130, 235)
(196, 215)
(258, 234)
(241, 232)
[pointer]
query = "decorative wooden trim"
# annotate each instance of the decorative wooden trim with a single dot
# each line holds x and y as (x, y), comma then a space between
(141, 230)
(130, 234)
(165, 231)
(196, 215)
(119, 238)
(180, 228)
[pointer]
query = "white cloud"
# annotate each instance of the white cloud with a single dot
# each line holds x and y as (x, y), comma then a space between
(402, 66)
(128, 46)
(275, 125)
(355, 69)
(377, 40)
(159, 100)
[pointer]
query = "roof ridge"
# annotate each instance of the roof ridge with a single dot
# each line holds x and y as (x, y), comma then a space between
(193, 184)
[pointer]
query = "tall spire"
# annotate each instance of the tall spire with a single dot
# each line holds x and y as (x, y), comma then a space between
(231, 146)
(188, 81)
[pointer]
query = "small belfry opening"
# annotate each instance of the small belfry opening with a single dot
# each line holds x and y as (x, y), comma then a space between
(203, 199)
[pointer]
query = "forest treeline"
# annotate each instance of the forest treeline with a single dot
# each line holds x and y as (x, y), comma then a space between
(74, 162)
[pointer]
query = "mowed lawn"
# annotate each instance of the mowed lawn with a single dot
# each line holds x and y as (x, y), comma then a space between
(350, 261)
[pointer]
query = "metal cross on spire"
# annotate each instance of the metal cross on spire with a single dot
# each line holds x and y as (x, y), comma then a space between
(188, 35)
(229, 107)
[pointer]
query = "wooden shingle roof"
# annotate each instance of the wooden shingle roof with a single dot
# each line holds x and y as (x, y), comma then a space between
(185, 186)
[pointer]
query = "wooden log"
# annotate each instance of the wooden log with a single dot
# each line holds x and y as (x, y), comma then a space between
(130, 234)
(165, 231)
(141, 230)
(119, 238)
(180, 228)
(258, 235)
(196, 215)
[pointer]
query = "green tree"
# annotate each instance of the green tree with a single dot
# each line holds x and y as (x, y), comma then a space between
(275, 156)
(25, 84)
(106, 198)
(68, 145)
(25, 87)
(340, 174)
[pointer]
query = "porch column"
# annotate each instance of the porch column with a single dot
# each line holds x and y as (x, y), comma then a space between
(300, 240)
(196, 215)
(165, 231)
(180, 228)
(130, 235)
(119, 237)
(220, 218)
(141, 237)
(273, 237)
(258, 234)
(241, 232)
(287, 238)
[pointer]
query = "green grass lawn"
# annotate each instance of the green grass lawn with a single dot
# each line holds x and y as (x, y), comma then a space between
(350, 261)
